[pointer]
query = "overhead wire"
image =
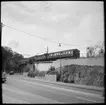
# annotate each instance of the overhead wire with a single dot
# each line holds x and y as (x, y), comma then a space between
(39, 36)
(18, 18)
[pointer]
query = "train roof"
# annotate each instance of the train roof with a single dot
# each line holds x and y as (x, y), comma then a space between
(57, 52)
(63, 51)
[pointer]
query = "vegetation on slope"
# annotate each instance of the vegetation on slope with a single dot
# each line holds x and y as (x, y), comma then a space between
(10, 59)
(83, 74)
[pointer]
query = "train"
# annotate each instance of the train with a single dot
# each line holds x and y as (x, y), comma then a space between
(72, 53)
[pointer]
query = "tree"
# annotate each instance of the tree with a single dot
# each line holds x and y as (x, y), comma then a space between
(6, 54)
(96, 50)
(90, 51)
(10, 59)
(52, 68)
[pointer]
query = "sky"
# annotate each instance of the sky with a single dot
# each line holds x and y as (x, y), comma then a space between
(74, 24)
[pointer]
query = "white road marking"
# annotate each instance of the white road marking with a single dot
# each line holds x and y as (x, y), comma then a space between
(37, 97)
(86, 99)
(66, 95)
(97, 95)
(12, 100)
(63, 89)
(60, 88)
(74, 91)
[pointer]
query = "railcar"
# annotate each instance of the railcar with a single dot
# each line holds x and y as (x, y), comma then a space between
(72, 53)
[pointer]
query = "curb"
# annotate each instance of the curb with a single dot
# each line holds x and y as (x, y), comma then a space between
(85, 87)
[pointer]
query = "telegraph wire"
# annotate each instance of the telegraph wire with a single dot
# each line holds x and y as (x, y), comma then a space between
(39, 36)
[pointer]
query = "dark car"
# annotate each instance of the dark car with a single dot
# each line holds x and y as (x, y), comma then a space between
(11, 72)
(4, 77)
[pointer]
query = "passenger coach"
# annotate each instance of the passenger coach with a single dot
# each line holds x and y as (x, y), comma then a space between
(73, 53)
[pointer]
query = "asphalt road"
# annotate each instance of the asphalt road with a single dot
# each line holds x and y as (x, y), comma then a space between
(20, 89)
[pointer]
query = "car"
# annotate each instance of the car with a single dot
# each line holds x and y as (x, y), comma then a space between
(4, 77)
(11, 72)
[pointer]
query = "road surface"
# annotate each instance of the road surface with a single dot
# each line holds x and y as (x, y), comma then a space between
(20, 89)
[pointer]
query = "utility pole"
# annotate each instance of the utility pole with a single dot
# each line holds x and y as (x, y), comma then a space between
(1, 28)
(60, 58)
(37, 61)
(47, 49)
(2, 25)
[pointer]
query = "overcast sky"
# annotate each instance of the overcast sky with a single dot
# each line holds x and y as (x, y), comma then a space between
(77, 24)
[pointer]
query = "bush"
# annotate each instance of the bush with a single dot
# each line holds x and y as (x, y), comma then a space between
(41, 74)
(82, 74)
(58, 77)
(65, 80)
(31, 74)
(51, 69)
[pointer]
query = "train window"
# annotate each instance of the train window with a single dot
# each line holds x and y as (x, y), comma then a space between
(43, 56)
(63, 52)
(71, 52)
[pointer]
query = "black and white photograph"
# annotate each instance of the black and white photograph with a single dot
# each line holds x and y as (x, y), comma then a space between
(52, 52)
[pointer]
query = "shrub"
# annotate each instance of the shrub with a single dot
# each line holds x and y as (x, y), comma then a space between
(65, 80)
(31, 74)
(52, 68)
(41, 74)
(83, 74)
